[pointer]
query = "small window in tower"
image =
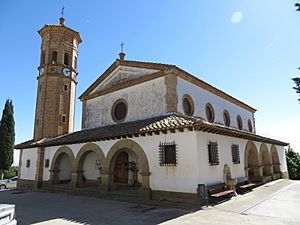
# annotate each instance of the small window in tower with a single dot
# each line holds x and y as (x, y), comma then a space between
(54, 57)
(43, 57)
(27, 163)
(63, 118)
(47, 163)
(66, 59)
(65, 88)
(75, 62)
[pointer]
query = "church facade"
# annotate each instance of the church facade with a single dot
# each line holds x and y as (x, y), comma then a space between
(147, 128)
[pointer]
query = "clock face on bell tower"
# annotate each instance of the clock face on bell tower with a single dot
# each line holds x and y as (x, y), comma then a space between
(57, 79)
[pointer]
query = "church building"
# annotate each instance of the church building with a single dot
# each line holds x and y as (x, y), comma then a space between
(149, 129)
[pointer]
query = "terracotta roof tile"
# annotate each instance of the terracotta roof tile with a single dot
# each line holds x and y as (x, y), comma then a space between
(141, 127)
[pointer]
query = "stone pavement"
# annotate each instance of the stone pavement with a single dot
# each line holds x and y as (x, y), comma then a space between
(275, 203)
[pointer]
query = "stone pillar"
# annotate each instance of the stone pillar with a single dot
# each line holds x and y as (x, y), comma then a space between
(74, 178)
(54, 176)
(104, 184)
(79, 181)
(145, 191)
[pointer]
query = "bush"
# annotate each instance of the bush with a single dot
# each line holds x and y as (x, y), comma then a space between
(10, 173)
(293, 163)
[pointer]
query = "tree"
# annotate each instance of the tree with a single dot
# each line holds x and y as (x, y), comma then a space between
(297, 88)
(297, 79)
(293, 163)
(7, 137)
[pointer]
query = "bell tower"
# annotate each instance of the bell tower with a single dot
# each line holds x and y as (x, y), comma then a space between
(57, 79)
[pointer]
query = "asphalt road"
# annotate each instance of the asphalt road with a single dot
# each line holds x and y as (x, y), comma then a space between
(63, 209)
(275, 203)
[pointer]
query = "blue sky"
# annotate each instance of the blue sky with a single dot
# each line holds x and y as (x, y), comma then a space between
(248, 48)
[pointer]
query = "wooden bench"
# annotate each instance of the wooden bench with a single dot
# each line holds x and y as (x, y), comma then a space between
(219, 192)
(244, 185)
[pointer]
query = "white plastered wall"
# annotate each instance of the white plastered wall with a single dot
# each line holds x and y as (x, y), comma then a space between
(201, 97)
(214, 174)
(29, 173)
(145, 100)
(90, 167)
(282, 158)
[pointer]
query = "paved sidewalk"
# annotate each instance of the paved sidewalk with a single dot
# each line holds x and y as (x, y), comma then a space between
(275, 203)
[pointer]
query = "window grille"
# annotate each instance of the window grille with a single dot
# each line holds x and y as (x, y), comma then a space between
(167, 154)
(235, 154)
(213, 154)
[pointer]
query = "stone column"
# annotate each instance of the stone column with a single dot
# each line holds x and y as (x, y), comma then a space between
(74, 178)
(145, 191)
(104, 185)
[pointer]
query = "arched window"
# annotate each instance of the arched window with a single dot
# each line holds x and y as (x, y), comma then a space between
(210, 114)
(43, 57)
(226, 118)
(66, 59)
(250, 125)
(239, 122)
(188, 105)
(54, 57)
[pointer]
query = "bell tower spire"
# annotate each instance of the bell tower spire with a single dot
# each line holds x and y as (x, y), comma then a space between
(57, 80)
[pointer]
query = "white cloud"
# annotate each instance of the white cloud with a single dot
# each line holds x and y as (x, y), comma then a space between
(236, 17)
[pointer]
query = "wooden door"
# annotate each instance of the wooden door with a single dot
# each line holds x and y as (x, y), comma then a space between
(121, 169)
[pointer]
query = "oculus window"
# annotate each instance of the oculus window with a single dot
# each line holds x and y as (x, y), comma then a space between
(119, 110)
(188, 105)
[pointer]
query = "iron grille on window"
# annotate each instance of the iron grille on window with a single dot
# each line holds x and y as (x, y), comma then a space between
(213, 154)
(235, 154)
(167, 154)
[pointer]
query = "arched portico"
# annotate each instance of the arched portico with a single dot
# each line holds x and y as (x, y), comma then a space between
(88, 164)
(134, 153)
(275, 162)
(253, 169)
(62, 166)
(265, 160)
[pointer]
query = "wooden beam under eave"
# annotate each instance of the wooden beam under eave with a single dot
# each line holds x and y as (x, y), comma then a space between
(172, 130)
(130, 135)
(190, 128)
(156, 132)
(143, 134)
(136, 135)
(164, 131)
(149, 133)
(181, 129)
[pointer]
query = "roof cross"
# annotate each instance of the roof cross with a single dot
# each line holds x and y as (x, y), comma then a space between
(122, 46)
(62, 11)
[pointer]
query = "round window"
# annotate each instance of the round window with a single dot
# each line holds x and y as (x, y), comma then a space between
(226, 118)
(210, 114)
(119, 110)
(188, 105)
(250, 125)
(239, 122)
